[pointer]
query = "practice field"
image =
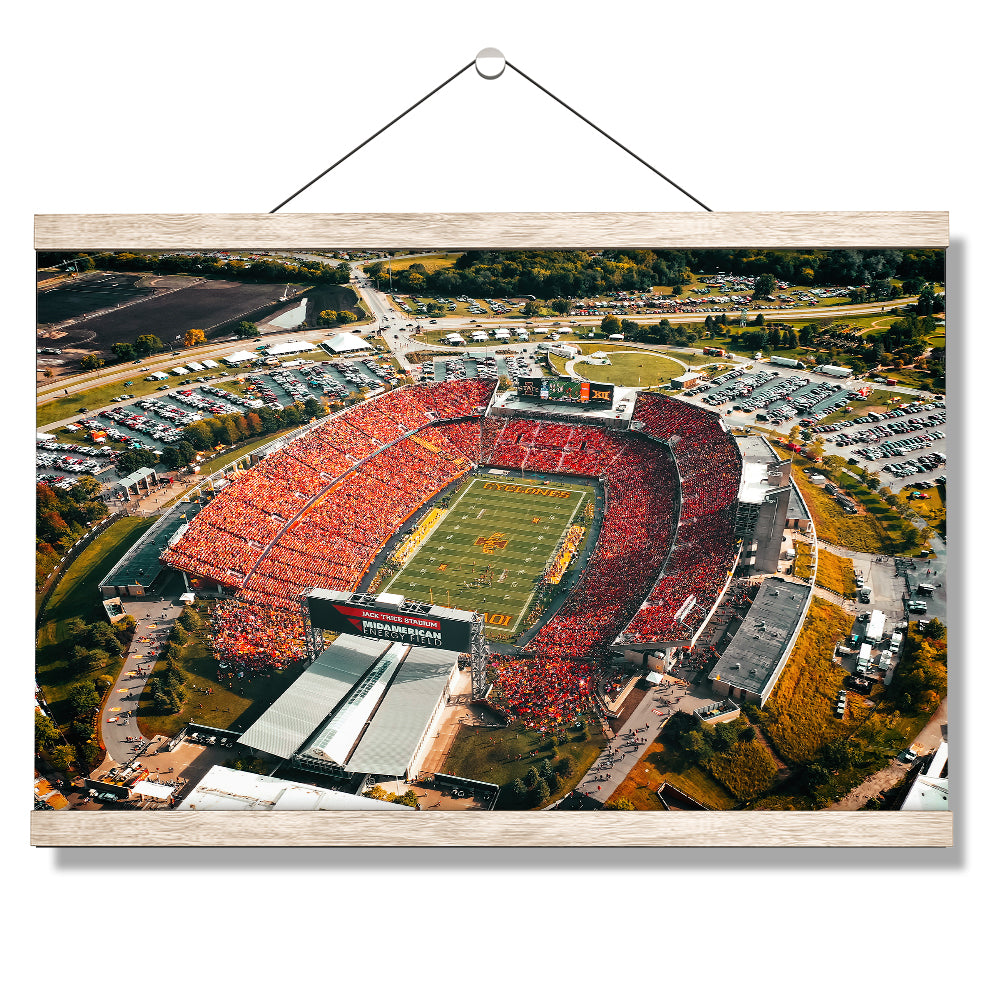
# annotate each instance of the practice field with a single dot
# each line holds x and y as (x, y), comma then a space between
(202, 305)
(488, 552)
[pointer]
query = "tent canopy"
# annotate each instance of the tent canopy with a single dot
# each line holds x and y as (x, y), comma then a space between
(345, 341)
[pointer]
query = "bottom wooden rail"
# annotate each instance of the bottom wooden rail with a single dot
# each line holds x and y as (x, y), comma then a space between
(497, 829)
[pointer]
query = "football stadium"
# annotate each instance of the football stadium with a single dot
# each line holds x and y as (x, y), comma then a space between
(572, 529)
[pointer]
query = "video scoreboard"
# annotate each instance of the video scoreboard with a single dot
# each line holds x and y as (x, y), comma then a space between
(599, 395)
(390, 618)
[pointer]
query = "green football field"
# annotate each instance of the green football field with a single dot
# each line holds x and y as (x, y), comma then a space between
(488, 551)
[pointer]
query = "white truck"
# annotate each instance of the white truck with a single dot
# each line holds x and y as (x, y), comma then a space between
(835, 370)
(785, 362)
(876, 626)
(864, 657)
(895, 642)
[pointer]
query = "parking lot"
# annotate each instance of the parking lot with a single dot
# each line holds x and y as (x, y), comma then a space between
(912, 435)
(485, 366)
(156, 421)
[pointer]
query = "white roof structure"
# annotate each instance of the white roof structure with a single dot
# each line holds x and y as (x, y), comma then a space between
(180, 370)
(478, 337)
(225, 788)
(302, 709)
(564, 329)
(239, 357)
(394, 735)
(195, 366)
(209, 363)
(42, 436)
(930, 791)
(345, 341)
(154, 790)
(364, 705)
(292, 347)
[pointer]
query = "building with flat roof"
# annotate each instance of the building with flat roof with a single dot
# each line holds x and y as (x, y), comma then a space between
(225, 788)
(929, 792)
(763, 501)
(364, 706)
(756, 655)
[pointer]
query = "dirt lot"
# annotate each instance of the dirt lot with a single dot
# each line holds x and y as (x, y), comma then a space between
(164, 306)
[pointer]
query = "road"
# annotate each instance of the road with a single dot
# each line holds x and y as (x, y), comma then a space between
(154, 618)
(385, 315)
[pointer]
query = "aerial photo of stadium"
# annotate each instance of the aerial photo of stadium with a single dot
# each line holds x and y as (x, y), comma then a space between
(424, 529)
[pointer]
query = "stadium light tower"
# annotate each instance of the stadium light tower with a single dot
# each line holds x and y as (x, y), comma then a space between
(479, 651)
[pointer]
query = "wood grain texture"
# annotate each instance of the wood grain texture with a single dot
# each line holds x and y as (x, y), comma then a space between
(498, 829)
(502, 230)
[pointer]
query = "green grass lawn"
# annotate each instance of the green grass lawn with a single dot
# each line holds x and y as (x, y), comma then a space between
(633, 368)
(238, 702)
(431, 261)
(76, 596)
(877, 528)
(501, 755)
(488, 553)
(664, 764)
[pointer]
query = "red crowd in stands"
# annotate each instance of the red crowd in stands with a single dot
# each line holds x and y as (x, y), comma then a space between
(709, 463)
(543, 692)
(318, 512)
(255, 638)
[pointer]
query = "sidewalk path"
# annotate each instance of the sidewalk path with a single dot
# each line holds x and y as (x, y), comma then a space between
(626, 749)
(154, 619)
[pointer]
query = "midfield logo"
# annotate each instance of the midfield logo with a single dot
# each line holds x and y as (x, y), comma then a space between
(492, 544)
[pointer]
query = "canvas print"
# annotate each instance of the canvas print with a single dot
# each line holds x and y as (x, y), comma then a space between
(484, 530)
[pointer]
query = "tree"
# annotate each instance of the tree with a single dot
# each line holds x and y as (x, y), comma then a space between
(148, 344)
(530, 777)
(346, 316)
(313, 407)
(764, 285)
(193, 337)
(561, 306)
(190, 619)
(328, 317)
(83, 699)
(517, 790)
(563, 766)
(133, 459)
(63, 757)
(91, 362)
(624, 804)
(611, 324)
(124, 352)
(46, 732)
(171, 458)
(245, 330)
(934, 629)
(540, 792)
(531, 308)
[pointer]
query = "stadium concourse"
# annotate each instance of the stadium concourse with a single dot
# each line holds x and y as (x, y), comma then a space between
(318, 512)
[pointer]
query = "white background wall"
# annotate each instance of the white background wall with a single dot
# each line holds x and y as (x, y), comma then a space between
(777, 105)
